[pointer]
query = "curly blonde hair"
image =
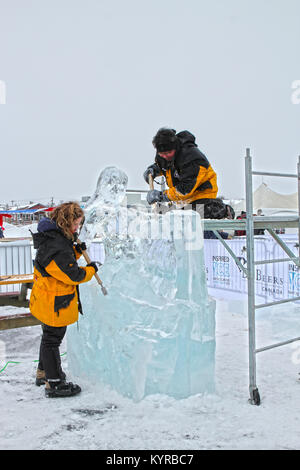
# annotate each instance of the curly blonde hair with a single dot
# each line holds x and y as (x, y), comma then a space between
(65, 214)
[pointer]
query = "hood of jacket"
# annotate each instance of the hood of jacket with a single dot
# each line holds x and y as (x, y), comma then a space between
(47, 228)
(186, 138)
(46, 224)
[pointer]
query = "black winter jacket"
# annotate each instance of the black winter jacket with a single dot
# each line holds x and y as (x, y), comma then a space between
(189, 175)
(54, 297)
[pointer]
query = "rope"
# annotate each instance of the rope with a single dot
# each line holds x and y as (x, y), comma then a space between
(19, 362)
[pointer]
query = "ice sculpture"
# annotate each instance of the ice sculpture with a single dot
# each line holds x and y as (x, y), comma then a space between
(109, 194)
(155, 330)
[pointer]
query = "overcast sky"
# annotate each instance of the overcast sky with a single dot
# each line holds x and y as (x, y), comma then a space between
(89, 82)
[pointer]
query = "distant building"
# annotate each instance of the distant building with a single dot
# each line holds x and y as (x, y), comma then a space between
(27, 214)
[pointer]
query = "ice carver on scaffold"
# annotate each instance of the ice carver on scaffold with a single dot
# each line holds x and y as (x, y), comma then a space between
(188, 173)
(54, 298)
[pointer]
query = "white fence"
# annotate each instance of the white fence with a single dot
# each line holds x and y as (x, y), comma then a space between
(15, 258)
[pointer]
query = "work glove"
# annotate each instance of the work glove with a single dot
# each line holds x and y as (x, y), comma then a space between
(156, 196)
(93, 266)
(80, 247)
(153, 170)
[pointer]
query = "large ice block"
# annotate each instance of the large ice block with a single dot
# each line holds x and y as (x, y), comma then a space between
(155, 330)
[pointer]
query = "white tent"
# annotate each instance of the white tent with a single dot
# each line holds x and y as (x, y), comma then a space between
(271, 202)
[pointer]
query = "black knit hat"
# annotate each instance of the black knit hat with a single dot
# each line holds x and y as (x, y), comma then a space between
(165, 140)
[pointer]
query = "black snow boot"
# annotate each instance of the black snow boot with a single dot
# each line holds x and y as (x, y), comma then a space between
(61, 389)
(40, 378)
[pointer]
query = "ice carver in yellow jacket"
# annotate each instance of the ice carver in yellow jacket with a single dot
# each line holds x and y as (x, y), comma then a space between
(189, 175)
(54, 298)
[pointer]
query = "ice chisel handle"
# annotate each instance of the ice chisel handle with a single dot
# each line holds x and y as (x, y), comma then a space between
(151, 184)
(150, 179)
(88, 260)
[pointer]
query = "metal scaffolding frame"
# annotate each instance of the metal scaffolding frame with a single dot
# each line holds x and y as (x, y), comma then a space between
(249, 224)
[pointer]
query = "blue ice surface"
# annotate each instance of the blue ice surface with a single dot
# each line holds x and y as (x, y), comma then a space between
(154, 333)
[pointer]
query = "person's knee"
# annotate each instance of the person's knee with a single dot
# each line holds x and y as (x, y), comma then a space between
(53, 336)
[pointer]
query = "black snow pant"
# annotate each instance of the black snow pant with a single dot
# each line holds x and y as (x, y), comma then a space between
(49, 359)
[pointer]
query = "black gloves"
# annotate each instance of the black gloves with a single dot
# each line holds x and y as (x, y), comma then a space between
(80, 247)
(156, 196)
(153, 170)
(93, 266)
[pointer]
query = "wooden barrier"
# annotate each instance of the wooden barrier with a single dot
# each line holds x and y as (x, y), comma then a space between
(19, 320)
(25, 279)
(14, 239)
(22, 319)
(16, 279)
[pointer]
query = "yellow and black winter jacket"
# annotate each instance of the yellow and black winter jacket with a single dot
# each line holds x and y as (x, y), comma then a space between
(189, 176)
(54, 298)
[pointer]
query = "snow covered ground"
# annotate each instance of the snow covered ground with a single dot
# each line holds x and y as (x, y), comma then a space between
(99, 418)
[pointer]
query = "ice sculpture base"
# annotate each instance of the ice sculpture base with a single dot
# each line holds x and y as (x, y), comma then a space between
(133, 358)
(155, 330)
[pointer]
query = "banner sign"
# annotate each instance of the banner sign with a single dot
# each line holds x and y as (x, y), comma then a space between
(273, 281)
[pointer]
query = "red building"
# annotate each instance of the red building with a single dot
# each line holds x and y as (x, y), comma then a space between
(25, 215)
